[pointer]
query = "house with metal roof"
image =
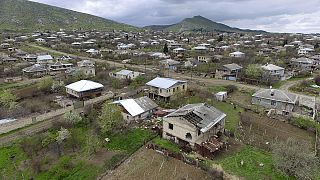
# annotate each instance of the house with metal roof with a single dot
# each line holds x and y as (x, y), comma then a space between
(137, 109)
(87, 67)
(84, 88)
(237, 54)
(228, 72)
(36, 70)
(125, 74)
(279, 100)
(44, 59)
(271, 71)
(164, 88)
(193, 124)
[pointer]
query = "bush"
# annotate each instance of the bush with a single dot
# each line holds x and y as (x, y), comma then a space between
(231, 88)
(166, 144)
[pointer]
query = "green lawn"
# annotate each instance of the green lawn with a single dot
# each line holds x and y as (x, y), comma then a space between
(168, 145)
(10, 158)
(251, 168)
(233, 118)
(130, 141)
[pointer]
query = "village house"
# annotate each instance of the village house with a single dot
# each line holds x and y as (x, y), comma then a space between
(59, 67)
(44, 59)
(164, 88)
(93, 52)
(30, 58)
(125, 74)
(5, 45)
(169, 64)
(237, 54)
(193, 124)
(84, 89)
(40, 40)
(179, 51)
(137, 109)
(228, 72)
(205, 59)
(281, 101)
(36, 70)
(305, 51)
(274, 72)
(302, 64)
(87, 67)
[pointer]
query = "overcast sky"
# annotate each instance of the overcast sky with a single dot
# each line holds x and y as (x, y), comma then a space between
(270, 15)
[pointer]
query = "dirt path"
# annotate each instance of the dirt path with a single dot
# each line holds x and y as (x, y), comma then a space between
(39, 127)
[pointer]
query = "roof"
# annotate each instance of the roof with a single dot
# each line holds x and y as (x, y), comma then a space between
(302, 60)
(124, 72)
(35, 68)
(201, 115)
(84, 85)
(44, 57)
(137, 106)
(170, 62)
(164, 83)
(275, 94)
(237, 53)
(232, 66)
(271, 67)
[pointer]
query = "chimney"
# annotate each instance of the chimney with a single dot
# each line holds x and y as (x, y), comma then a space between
(272, 92)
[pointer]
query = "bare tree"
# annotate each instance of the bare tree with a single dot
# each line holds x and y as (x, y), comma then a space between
(295, 159)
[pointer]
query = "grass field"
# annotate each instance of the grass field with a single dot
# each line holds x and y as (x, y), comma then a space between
(257, 164)
(232, 119)
(130, 141)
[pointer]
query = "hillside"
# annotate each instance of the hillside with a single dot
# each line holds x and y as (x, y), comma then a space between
(198, 23)
(25, 15)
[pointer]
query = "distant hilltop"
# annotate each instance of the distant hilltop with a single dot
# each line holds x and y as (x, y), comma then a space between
(199, 23)
(22, 15)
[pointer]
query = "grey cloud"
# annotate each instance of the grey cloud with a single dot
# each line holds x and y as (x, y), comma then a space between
(274, 15)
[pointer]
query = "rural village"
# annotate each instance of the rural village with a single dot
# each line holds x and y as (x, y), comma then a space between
(154, 104)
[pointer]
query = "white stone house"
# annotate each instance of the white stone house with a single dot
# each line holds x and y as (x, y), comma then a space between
(164, 88)
(137, 109)
(193, 124)
(125, 74)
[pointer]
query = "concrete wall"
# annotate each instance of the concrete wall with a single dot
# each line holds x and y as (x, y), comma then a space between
(267, 104)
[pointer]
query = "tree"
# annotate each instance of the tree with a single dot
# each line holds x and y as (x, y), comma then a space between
(7, 99)
(220, 38)
(72, 117)
(45, 84)
(58, 87)
(165, 48)
(115, 83)
(63, 134)
(295, 159)
(79, 75)
(93, 143)
(253, 71)
(110, 117)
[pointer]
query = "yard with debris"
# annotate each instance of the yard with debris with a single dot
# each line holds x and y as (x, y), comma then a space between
(148, 164)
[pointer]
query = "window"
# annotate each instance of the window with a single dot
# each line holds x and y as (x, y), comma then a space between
(273, 103)
(188, 136)
(182, 86)
(199, 132)
(160, 90)
(170, 126)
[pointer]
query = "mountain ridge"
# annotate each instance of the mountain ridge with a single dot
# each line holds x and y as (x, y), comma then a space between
(199, 23)
(23, 15)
